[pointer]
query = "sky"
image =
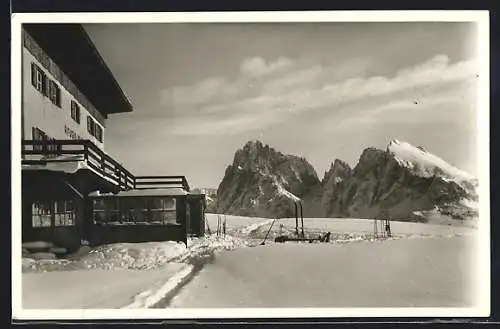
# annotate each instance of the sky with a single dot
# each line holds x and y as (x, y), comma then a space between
(318, 90)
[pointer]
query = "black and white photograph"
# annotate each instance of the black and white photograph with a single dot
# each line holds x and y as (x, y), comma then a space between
(286, 164)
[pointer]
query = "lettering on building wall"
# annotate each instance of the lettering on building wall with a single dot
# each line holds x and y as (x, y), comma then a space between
(70, 133)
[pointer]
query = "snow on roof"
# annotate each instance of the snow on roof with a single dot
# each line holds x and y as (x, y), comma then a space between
(70, 166)
(173, 191)
(408, 155)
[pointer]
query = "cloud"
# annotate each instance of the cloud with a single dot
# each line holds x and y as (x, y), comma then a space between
(220, 105)
(193, 95)
(257, 66)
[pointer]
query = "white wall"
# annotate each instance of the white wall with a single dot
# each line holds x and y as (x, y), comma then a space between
(39, 111)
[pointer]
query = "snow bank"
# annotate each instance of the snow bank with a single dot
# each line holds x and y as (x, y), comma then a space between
(137, 256)
(152, 296)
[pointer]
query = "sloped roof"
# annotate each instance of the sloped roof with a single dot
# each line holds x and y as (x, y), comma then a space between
(74, 52)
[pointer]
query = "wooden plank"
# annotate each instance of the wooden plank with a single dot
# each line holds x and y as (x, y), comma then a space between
(160, 177)
(67, 152)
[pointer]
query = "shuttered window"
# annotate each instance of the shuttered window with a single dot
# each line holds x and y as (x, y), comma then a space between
(75, 111)
(55, 93)
(39, 79)
(90, 125)
(98, 132)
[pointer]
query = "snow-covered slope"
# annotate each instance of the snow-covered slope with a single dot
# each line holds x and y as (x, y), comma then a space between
(423, 163)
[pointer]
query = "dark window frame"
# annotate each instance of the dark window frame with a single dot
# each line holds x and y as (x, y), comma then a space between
(40, 135)
(98, 132)
(50, 213)
(108, 210)
(64, 213)
(75, 111)
(90, 125)
(41, 214)
(39, 79)
(55, 93)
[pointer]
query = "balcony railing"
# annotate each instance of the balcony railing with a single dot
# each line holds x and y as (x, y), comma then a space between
(38, 152)
(53, 151)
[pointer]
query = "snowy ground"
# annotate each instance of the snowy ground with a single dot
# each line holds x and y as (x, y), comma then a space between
(133, 275)
(399, 273)
(139, 275)
(101, 289)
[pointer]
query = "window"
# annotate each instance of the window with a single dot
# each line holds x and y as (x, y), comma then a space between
(41, 213)
(38, 135)
(64, 213)
(90, 125)
(106, 210)
(161, 210)
(39, 79)
(115, 210)
(46, 147)
(98, 132)
(94, 129)
(55, 93)
(75, 111)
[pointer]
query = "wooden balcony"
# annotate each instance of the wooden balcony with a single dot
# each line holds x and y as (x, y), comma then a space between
(42, 152)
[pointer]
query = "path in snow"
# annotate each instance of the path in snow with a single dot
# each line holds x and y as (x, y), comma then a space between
(429, 272)
(93, 288)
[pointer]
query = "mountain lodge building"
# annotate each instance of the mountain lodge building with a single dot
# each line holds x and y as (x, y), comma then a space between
(73, 192)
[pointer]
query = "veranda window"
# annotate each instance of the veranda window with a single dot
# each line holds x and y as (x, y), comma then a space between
(41, 212)
(106, 210)
(64, 213)
(113, 210)
(161, 210)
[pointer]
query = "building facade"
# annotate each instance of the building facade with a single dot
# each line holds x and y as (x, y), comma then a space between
(68, 92)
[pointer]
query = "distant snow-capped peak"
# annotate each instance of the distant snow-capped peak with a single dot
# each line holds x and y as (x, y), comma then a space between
(423, 163)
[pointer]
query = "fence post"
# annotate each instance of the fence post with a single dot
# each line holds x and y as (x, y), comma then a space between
(102, 164)
(224, 226)
(85, 151)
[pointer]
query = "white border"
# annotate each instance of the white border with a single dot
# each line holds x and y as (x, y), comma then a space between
(483, 266)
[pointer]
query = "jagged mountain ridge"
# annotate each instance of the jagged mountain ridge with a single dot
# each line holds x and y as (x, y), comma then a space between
(262, 181)
(404, 181)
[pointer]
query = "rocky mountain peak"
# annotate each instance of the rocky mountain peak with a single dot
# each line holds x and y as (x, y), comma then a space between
(262, 181)
(339, 170)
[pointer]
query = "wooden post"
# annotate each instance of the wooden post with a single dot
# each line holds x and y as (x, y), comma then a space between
(296, 220)
(85, 151)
